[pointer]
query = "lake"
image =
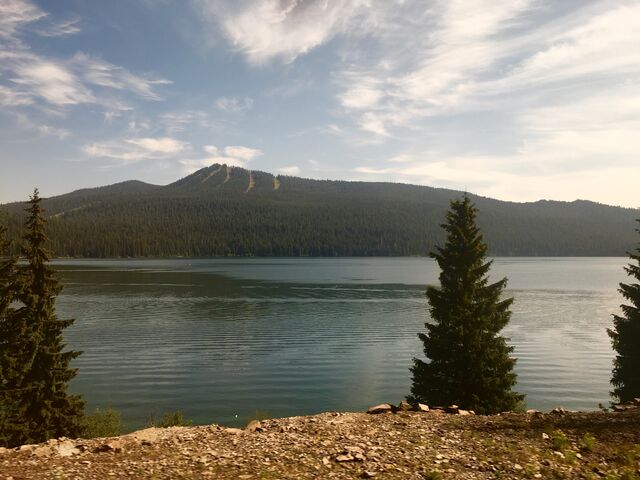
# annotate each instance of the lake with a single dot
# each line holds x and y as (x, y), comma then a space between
(222, 339)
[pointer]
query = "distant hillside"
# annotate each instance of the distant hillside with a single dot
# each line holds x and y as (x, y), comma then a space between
(221, 210)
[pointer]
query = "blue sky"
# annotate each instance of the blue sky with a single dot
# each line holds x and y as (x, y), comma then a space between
(513, 99)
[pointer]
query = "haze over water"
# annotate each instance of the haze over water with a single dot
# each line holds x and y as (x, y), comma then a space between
(222, 338)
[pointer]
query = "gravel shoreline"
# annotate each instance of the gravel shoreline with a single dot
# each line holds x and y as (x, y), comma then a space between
(401, 445)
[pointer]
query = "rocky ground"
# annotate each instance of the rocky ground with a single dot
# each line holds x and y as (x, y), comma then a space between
(390, 445)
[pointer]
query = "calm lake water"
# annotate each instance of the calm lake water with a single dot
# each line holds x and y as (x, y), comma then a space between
(220, 339)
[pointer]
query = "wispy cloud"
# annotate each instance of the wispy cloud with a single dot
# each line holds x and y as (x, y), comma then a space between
(134, 150)
(14, 14)
(235, 155)
(51, 81)
(234, 104)
(30, 78)
(104, 74)
(61, 29)
(267, 29)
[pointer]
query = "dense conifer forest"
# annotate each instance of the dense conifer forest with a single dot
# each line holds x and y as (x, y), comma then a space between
(222, 210)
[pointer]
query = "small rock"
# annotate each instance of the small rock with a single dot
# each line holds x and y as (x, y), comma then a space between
(254, 426)
(422, 407)
(26, 448)
(114, 446)
(545, 436)
(559, 411)
(344, 458)
(233, 431)
(325, 461)
(463, 412)
(517, 467)
(558, 454)
(532, 411)
(405, 406)
(66, 449)
(353, 450)
(452, 409)
(368, 474)
(43, 451)
(382, 408)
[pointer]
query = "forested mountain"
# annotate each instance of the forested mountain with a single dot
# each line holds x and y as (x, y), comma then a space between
(221, 210)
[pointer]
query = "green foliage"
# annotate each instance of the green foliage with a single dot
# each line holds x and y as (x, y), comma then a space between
(469, 363)
(170, 419)
(625, 336)
(588, 442)
(35, 368)
(11, 367)
(206, 215)
(103, 422)
(559, 440)
(432, 475)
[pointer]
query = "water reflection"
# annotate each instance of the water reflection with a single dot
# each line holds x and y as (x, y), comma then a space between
(220, 338)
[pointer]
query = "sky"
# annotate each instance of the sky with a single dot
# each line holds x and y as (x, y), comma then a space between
(518, 100)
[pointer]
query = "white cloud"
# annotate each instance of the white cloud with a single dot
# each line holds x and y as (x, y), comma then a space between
(211, 150)
(104, 74)
(62, 29)
(164, 145)
(244, 154)
(234, 104)
(51, 81)
(180, 121)
(11, 97)
(263, 30)
(290, 170)
(134, 150)
(358, 97)
(233, 155)
(16, 13)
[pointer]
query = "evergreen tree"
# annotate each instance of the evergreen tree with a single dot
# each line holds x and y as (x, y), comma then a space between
(469, 363)
(40, 374)
(11, 366)
(625, 337)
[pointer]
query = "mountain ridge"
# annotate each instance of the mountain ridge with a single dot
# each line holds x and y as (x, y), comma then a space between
(228, 210)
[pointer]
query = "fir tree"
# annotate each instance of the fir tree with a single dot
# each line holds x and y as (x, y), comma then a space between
(469, 363)
(39, 382)
(625, 336)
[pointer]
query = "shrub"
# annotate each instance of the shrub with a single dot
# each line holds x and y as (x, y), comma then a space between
(559, 440)
(588, 442)
(170, 419)
(105, 422)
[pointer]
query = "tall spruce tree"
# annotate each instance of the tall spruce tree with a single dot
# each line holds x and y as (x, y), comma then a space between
(42, 373)
(625, 336)
(468, 361)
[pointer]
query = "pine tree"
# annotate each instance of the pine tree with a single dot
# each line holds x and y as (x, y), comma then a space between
(469, 363)
(41, 375)
(625, 337)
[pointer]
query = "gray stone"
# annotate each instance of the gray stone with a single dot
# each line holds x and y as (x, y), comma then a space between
(382, 408)
(452, 409)
(66, 449)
